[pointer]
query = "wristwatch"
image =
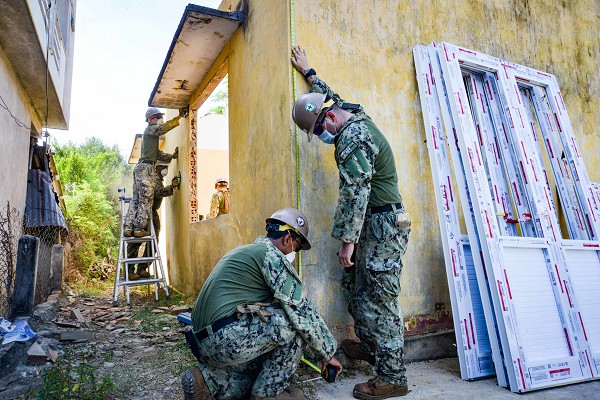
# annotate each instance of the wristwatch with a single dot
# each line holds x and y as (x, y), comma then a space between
(309, 73)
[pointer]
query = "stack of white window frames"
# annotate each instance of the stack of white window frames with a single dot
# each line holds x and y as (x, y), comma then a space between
(522, 288)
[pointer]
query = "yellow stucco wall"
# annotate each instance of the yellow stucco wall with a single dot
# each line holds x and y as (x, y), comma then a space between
(363, 49)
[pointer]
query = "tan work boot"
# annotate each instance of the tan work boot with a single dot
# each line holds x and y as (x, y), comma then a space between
(357, 351)
(144, 273)
(139, 234)
(291, 393)
(133, 276)
(376, 388)
(127, 233)
(194, 387)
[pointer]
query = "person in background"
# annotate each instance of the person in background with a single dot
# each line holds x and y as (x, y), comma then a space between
(219, 203)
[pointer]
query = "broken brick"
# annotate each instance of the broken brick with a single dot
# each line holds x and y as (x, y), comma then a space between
(71, 336)
(76, 314)
(36, 355)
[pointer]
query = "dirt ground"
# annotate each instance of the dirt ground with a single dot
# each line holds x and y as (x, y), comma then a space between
(138, 352)
(139, 348)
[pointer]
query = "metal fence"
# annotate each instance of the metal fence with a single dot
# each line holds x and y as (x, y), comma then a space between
(11, 227)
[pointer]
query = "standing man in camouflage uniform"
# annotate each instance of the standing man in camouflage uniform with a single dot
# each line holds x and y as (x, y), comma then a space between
(140, 207)
(371, 223)
(219, 203)
(251, 321)
(160, 191)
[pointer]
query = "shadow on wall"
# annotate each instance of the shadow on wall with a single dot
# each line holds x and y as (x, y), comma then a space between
(213, 238)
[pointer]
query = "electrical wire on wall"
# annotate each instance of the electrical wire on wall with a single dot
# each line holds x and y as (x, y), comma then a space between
(45, 133)
(17, 121)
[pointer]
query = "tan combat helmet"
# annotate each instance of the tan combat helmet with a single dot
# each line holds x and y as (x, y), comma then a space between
(295, 219)
(152, 111)
(306, 111)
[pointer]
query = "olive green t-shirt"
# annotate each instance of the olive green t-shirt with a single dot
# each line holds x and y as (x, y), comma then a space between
(236, 279)
(150, 137)
(384, 184)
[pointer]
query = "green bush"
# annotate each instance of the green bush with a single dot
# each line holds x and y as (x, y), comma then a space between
(89, 174)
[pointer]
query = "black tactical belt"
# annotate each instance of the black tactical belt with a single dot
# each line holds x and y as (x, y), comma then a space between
(221, 323)
(386, 208)
(146, 162)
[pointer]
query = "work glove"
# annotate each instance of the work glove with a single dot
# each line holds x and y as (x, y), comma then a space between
(175, 182)
(175, 153)
(183, 111)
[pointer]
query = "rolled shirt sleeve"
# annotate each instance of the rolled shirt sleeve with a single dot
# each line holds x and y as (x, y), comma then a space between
(355, 156)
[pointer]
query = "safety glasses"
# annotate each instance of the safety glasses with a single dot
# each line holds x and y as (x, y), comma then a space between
(319, 122)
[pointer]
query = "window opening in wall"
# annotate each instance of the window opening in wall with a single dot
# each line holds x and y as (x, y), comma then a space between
(212, 154)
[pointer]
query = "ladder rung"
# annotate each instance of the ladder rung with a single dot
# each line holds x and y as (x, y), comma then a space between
(137, 240)
(136, 260)
(159, 281)
(141, 282)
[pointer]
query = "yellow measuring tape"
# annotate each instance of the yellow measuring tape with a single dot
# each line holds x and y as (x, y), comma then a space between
(297, 149)
(296, 135)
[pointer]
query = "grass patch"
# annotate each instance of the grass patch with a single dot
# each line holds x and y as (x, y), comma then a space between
(143, 304)
(182, 357)
(92, 288)
(77, 380)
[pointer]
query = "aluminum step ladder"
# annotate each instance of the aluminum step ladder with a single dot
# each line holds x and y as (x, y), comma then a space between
(123, 262)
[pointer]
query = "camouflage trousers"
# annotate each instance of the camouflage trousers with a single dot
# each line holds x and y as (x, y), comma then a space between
(250, 356)
(133, 249)
(371, 289)
(140, 206)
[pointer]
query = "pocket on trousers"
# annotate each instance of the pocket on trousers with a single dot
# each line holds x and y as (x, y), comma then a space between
(383, 226)
(223, 347)
(387, 244)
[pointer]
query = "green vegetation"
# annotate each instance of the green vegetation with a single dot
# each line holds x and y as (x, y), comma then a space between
(69, 380)
(145, 304)
(220, 97)
(90, 173)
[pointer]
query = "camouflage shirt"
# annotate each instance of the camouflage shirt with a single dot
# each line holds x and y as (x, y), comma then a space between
(250, 276)
(150, 138)
(219, 203)
(366, 165)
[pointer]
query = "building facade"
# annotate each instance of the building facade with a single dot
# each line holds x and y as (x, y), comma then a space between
(363, 50)
(36, 66)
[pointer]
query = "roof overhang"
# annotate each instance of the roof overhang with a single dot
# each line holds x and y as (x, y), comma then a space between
(201, 35)
(20, 42)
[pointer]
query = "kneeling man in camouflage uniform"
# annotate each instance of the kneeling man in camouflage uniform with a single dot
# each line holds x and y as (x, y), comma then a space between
(251, 321)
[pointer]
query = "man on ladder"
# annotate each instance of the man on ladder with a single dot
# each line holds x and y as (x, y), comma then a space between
(160, 192)
(140, 207)
(137, 222)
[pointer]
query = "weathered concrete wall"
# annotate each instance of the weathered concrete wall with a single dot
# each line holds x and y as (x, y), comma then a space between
(364, 51)
(176, 225)
(261, 157)
(15, 139)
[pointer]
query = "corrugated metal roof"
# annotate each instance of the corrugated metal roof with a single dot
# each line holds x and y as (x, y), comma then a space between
(41, 208)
